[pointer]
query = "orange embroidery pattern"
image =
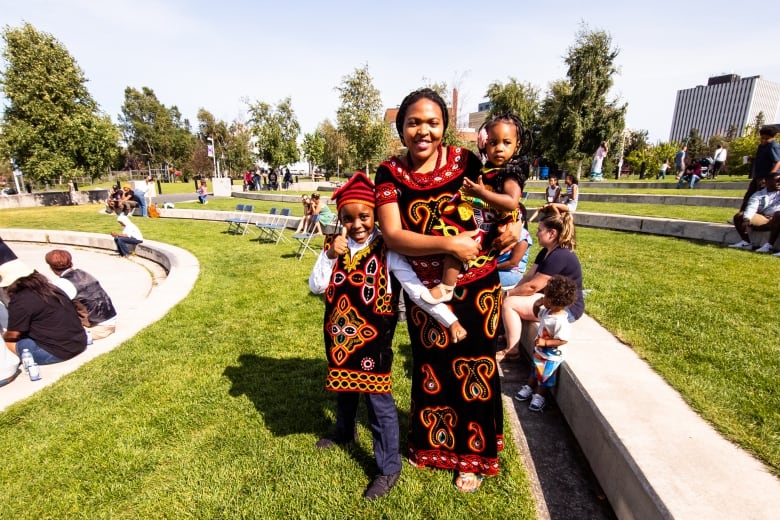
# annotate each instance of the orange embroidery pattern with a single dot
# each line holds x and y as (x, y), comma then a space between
(431, 385)
(475, 375)
(354, 381)
(440, 422)
(349, 330)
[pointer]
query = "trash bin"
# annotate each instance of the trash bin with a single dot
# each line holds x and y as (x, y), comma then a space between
(544, 172)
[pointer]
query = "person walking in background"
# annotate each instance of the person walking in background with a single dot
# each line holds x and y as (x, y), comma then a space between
(662, 172)
(99, 315)
(130, 235)
(719, 159)
(679, 162)
(598, 162)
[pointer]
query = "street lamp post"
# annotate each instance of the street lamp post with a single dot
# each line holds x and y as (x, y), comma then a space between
(212, 154)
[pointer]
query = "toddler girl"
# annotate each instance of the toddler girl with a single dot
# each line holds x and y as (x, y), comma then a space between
(494, 199)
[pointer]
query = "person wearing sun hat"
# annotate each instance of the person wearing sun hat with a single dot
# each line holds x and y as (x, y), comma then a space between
(41, 318)
(353, 271)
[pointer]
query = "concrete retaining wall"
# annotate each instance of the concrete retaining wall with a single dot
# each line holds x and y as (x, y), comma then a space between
(53, 198)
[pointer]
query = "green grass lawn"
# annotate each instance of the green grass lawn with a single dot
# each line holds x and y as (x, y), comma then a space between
(213, 411)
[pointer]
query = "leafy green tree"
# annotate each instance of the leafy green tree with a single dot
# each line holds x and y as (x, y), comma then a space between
(697, 148)
(360, 118)
(238, 150)
(313, 148)
(739, 149)
(51, 128)
(276, 129)
(581, 117)
(336, 147)
(154, 132)
(521, 99)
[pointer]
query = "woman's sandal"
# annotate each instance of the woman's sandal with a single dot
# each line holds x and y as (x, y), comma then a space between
(467, 482)
(508, 355)
(446, 294)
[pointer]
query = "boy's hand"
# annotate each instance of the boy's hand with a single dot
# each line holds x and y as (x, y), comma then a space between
(457, 332)
(339, 245)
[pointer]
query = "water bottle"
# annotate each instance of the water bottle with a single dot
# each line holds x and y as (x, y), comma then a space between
(89, 336)
(27, 360)
(34, 371)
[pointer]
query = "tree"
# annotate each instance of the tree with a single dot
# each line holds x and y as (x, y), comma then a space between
(51, 128)
(154, 132)
(313, 148)
(697, 148)
(574, 124)
(360, 117)
(521, 99)
(276, 129)
(336, 147)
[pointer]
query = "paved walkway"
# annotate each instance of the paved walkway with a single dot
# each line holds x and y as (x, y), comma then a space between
(131, 282)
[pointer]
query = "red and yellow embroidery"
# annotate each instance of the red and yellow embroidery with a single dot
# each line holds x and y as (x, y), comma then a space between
(431, 384)
(348, 330)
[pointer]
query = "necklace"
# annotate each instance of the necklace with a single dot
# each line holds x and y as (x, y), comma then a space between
(438, 160)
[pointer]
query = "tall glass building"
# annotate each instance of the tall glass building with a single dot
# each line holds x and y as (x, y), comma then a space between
(724, 102)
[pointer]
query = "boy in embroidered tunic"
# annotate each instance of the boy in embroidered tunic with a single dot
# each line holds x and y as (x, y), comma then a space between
(353, 271)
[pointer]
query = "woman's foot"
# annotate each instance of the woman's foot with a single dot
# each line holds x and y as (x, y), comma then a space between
(467, 482)
(440, 294)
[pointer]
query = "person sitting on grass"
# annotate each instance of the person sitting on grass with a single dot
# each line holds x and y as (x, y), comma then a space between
(203, 192)
(354, 272)
(551, 339)
(692, 174)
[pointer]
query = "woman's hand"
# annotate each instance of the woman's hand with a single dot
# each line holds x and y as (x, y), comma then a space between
(508, 237)
(464, 247)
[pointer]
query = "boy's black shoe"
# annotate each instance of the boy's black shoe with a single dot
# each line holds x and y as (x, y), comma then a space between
(381, 486)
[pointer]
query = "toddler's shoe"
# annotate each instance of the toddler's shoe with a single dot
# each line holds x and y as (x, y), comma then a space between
(742, 244)
(524, 393)
(537, 403)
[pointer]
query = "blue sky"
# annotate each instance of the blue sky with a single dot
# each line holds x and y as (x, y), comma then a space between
(215, 55)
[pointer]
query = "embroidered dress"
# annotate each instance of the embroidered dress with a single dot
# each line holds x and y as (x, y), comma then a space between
(456, 418)
(359, 322)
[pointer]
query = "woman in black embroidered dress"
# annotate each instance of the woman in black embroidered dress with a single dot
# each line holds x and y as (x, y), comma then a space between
(456, 419)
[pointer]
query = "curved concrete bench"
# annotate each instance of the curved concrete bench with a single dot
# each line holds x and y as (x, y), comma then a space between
(165, 286)
(653, 456)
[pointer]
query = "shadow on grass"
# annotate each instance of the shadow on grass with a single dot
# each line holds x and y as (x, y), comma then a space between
(290, 396)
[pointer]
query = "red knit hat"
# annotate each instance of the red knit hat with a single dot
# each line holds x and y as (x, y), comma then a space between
(358, 189)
